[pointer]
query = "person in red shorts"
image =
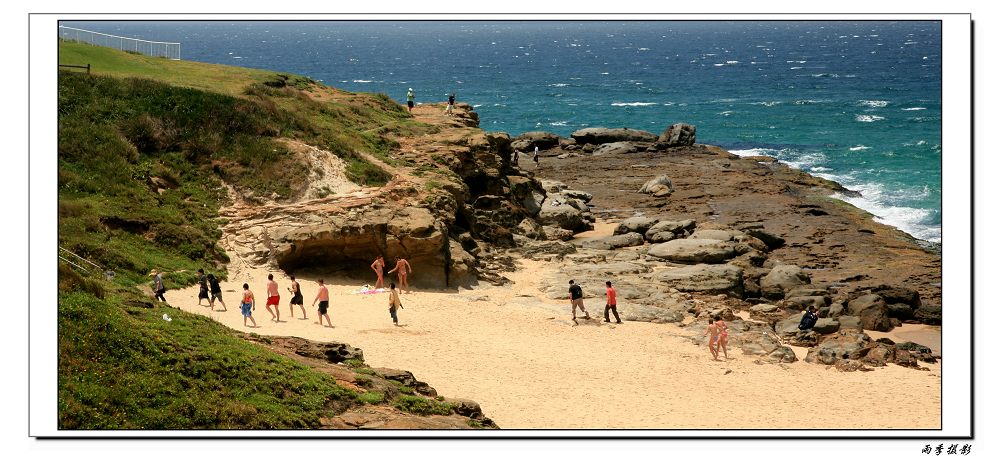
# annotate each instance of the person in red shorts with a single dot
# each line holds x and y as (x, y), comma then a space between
(612, 303)
(272, 298)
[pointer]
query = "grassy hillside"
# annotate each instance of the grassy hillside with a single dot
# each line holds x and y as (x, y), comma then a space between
(147, 148)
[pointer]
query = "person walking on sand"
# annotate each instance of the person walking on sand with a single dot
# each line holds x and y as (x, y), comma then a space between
(158, 288)
(248, 305)
(379, 267)
(713, 338)
(323, 297)
(723, 336)
(404, 269)
(576, 299)
(451, 104)
(611, 304)
(272, 298)
(213, 285)
(535, 158)
(296, 292)
(202, 286)
(394, 303)
(409, 100)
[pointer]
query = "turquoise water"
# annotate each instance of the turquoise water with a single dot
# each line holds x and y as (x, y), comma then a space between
(857, 102)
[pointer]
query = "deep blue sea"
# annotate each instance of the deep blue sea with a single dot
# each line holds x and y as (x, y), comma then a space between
(858, 102)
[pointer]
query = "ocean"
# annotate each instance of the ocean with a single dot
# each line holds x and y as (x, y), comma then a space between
(858, 102)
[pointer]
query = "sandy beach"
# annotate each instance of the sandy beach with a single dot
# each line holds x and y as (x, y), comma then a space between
(516, 353)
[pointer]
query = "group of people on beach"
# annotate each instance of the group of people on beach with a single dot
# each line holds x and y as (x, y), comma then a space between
(210, 290)
(611, 303)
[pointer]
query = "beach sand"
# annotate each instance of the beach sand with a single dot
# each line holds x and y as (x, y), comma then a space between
(516, 353)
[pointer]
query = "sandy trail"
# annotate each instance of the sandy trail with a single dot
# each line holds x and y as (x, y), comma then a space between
(516, 353)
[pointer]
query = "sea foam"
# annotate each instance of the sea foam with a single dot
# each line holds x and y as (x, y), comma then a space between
(633, 104)
(868, 118)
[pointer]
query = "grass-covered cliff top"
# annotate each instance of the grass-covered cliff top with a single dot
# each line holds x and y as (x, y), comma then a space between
(148, 151)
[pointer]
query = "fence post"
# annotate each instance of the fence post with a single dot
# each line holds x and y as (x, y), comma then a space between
(88, 69)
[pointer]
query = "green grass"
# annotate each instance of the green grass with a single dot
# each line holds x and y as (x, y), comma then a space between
(126, 368)
(422, 406)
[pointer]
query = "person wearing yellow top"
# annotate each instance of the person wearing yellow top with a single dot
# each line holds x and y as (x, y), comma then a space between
(394, 303)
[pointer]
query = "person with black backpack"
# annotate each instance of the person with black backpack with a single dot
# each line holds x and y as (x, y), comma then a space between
(809, 318)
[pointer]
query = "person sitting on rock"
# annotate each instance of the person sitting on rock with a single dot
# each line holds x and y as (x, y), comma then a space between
(809, 318)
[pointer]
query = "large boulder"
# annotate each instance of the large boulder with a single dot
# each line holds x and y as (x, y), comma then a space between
(660, 237)
(781, 279)
(677, 135)
(930, 315)
(846, 344)
(694, 251)
(898, 295)
(704, 278)
(826, 325)
(658, 186)
(872, 311)
(528, 140)
(614, 241)
(767, 312)
(639, 224)
(670, 311)
(766, 345)
(676, 228)
(616, 148)
(560, 212)
(800, 303)
(602, 135)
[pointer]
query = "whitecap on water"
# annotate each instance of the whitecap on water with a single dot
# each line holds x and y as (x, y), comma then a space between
(858, 148)
(873, 103)
(633, 104)
(915, 108)
(868, 118)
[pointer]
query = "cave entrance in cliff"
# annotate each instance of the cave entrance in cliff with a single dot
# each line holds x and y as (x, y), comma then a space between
(333, 267)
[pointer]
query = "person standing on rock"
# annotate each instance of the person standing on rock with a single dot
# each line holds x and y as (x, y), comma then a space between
(409, 100)
(296, 292)
(535, 158)
(514, 159)
(379, 267)
(323, 297)
(248, 305)
(612, 303)
(713, 338)
(723, 336)
(216, 290)
(272, 298)
(576, 299)
(158, 288)
(451, 104)
(403, 266)
(202, 287)
(394, 304)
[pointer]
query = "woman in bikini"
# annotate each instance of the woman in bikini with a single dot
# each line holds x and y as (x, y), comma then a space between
(713, 338)
(404, 269)
(247, 306)
(723, 336)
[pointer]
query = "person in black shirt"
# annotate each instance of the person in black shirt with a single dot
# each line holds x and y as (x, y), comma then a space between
(451, 104)
(202, 286)
(216, 290)
(576, 299)
(809, 318)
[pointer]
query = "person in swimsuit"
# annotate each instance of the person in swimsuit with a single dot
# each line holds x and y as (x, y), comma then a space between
(612, 304)
(202, 287)
(323, 297)
(248, 305)
(713, 338)
(378, 266)
(404, 269)
(409, 100)
(723, 336)
(576, 299)
(296, 292)
(213, 284)
(272, 298)
(394, 303)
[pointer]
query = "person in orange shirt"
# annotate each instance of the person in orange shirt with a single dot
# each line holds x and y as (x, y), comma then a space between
(612, 304)
(323, 297)
(272, 298)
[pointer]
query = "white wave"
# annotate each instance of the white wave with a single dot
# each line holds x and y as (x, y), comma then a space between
(604, 74)
(818, 169)
(796, 67)
(726, 113)
(769, 103)
(477, 106)
(868, 118)
(873, 103)
(858, 148)
(792, 157)
(915, 108)
(643, 49)
(719, 64)
(633, 104)
(559, 85)
(808, 102)
(362, 81)
(559, 123)
(795, 61)
(910, 220)
(732, 62)
(921, 142)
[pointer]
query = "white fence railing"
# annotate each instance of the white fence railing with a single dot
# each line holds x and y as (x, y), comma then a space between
(171, 50)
